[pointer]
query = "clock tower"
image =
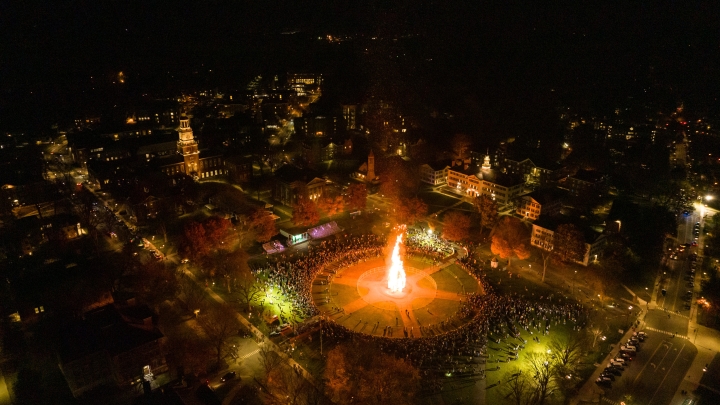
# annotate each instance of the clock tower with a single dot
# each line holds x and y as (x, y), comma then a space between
(187, 146)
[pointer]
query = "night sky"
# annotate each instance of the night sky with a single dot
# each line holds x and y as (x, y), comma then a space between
(512, 60)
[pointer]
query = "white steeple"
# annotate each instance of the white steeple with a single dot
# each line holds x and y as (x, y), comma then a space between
(486, 163)
(185, 132)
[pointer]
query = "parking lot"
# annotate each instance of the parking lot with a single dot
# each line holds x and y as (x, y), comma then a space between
(655, 372)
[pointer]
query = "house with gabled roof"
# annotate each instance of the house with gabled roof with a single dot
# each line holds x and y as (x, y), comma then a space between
(544, 201)
(536, 170)
(434, 173)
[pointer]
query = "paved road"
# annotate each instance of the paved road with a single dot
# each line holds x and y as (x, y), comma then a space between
(675, 285)
(675, 276)
(685, 227)
(666, 321)
(653, 376)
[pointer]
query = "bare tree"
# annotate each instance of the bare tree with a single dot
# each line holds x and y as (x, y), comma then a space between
(546, 256)
(191, 295)
(269, 360)
(220, 323)
(541, 365)
(247, 288)
(288, 386)
(517, 388)
(567, 350)
(597, 328)
(238, 275)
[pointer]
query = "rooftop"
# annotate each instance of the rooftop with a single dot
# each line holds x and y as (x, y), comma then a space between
(490, 175)
(547, 195)
(103, 329)
(552, 223)
(538, 159)
(590, 176)
(439, 165)
(291, 173)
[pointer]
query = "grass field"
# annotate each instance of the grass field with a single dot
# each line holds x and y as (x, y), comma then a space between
(372, 318)
(436, 201)
(504, 284)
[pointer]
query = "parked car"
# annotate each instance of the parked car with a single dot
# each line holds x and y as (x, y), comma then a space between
(616, 363)
(625, 356)
(603, 381)
(608, 375)
(612, 370)
(228, 376)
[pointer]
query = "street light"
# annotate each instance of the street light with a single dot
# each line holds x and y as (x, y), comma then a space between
(619, 224)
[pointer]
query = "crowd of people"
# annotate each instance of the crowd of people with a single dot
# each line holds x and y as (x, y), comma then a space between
(292, 275)
(458, 345)
(427, 244)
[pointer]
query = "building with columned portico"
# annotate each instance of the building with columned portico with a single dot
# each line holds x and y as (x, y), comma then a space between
(468, 179)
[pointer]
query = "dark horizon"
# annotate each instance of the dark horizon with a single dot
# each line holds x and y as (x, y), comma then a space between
(516, 61)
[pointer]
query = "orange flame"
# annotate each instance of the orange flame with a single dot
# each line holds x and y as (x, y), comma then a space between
(396, 274)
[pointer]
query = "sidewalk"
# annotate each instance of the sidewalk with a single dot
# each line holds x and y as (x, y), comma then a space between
(707, 341)
(255, 331)
(590, 392)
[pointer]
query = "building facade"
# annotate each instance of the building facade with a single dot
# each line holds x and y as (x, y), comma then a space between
(584, 182)
(534, 174)
(239, 168)
(543, 234)
(434, 174)
(349, 112)
(545, 202)
(470, 180)
(292, 182)
(188, 160)
(319, 150)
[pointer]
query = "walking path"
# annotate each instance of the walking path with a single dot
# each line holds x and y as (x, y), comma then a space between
(258, 334)
(368, 278)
